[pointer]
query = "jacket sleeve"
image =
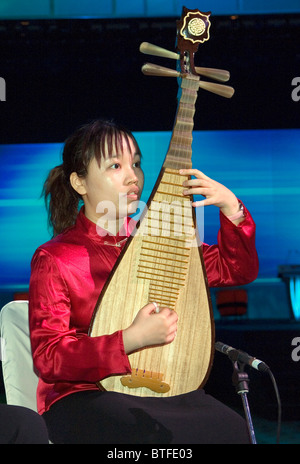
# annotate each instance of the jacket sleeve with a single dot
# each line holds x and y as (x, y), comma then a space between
(233, 261)
(60, 351)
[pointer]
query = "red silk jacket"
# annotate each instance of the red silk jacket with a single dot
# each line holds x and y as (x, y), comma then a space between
(67, 276)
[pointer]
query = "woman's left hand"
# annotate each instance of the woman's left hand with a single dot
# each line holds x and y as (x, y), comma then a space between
(214, 192)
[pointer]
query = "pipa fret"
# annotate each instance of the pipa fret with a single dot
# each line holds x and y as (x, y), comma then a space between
(180, 150)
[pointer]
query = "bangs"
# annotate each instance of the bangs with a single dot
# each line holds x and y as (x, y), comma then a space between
(113, 143)
(104, 140)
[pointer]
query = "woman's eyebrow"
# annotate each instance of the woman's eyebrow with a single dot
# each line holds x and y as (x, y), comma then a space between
(120, 155)
(116, 156)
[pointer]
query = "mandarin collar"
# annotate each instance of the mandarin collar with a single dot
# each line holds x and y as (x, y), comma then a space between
(94, 232)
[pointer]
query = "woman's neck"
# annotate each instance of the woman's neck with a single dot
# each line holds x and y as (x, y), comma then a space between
(112, 227)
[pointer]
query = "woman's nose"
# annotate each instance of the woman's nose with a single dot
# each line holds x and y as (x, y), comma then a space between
(131, 176)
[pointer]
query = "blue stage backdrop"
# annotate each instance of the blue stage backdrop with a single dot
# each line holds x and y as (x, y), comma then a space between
(261, 167)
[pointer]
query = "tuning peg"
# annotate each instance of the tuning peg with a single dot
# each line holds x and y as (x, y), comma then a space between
(223, 90)
(217, 74)
(150, 69)
(150, 49)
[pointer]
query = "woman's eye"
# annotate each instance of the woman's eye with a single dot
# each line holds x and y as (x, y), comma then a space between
(137, 164)
(115, 166)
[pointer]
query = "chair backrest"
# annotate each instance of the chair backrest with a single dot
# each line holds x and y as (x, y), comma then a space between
(20, 380)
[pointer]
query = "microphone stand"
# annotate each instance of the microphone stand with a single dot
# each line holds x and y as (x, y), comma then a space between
(240, 380)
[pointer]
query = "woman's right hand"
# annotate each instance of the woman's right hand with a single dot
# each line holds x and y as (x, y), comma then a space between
(150, 328)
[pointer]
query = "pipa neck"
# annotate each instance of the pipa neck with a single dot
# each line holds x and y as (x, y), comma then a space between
(179, 155)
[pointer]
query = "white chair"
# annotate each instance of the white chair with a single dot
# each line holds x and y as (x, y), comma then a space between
(20, 380)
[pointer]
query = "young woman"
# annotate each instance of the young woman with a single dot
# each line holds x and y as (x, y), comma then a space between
(102, 163)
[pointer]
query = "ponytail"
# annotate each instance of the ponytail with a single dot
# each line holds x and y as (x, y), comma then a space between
(61, 200)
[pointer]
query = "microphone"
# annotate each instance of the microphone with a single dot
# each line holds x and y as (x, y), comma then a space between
(241, 356)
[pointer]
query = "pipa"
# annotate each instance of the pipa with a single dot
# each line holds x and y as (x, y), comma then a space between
(162, 261)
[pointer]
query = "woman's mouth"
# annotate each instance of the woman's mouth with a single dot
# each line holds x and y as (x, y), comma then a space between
(133, 194)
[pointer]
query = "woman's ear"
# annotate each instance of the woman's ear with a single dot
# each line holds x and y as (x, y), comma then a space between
(77, 183)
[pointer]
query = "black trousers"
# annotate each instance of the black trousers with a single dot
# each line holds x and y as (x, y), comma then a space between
(114, 418)
(20, 425)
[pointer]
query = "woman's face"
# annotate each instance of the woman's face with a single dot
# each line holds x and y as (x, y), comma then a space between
(113, 189)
